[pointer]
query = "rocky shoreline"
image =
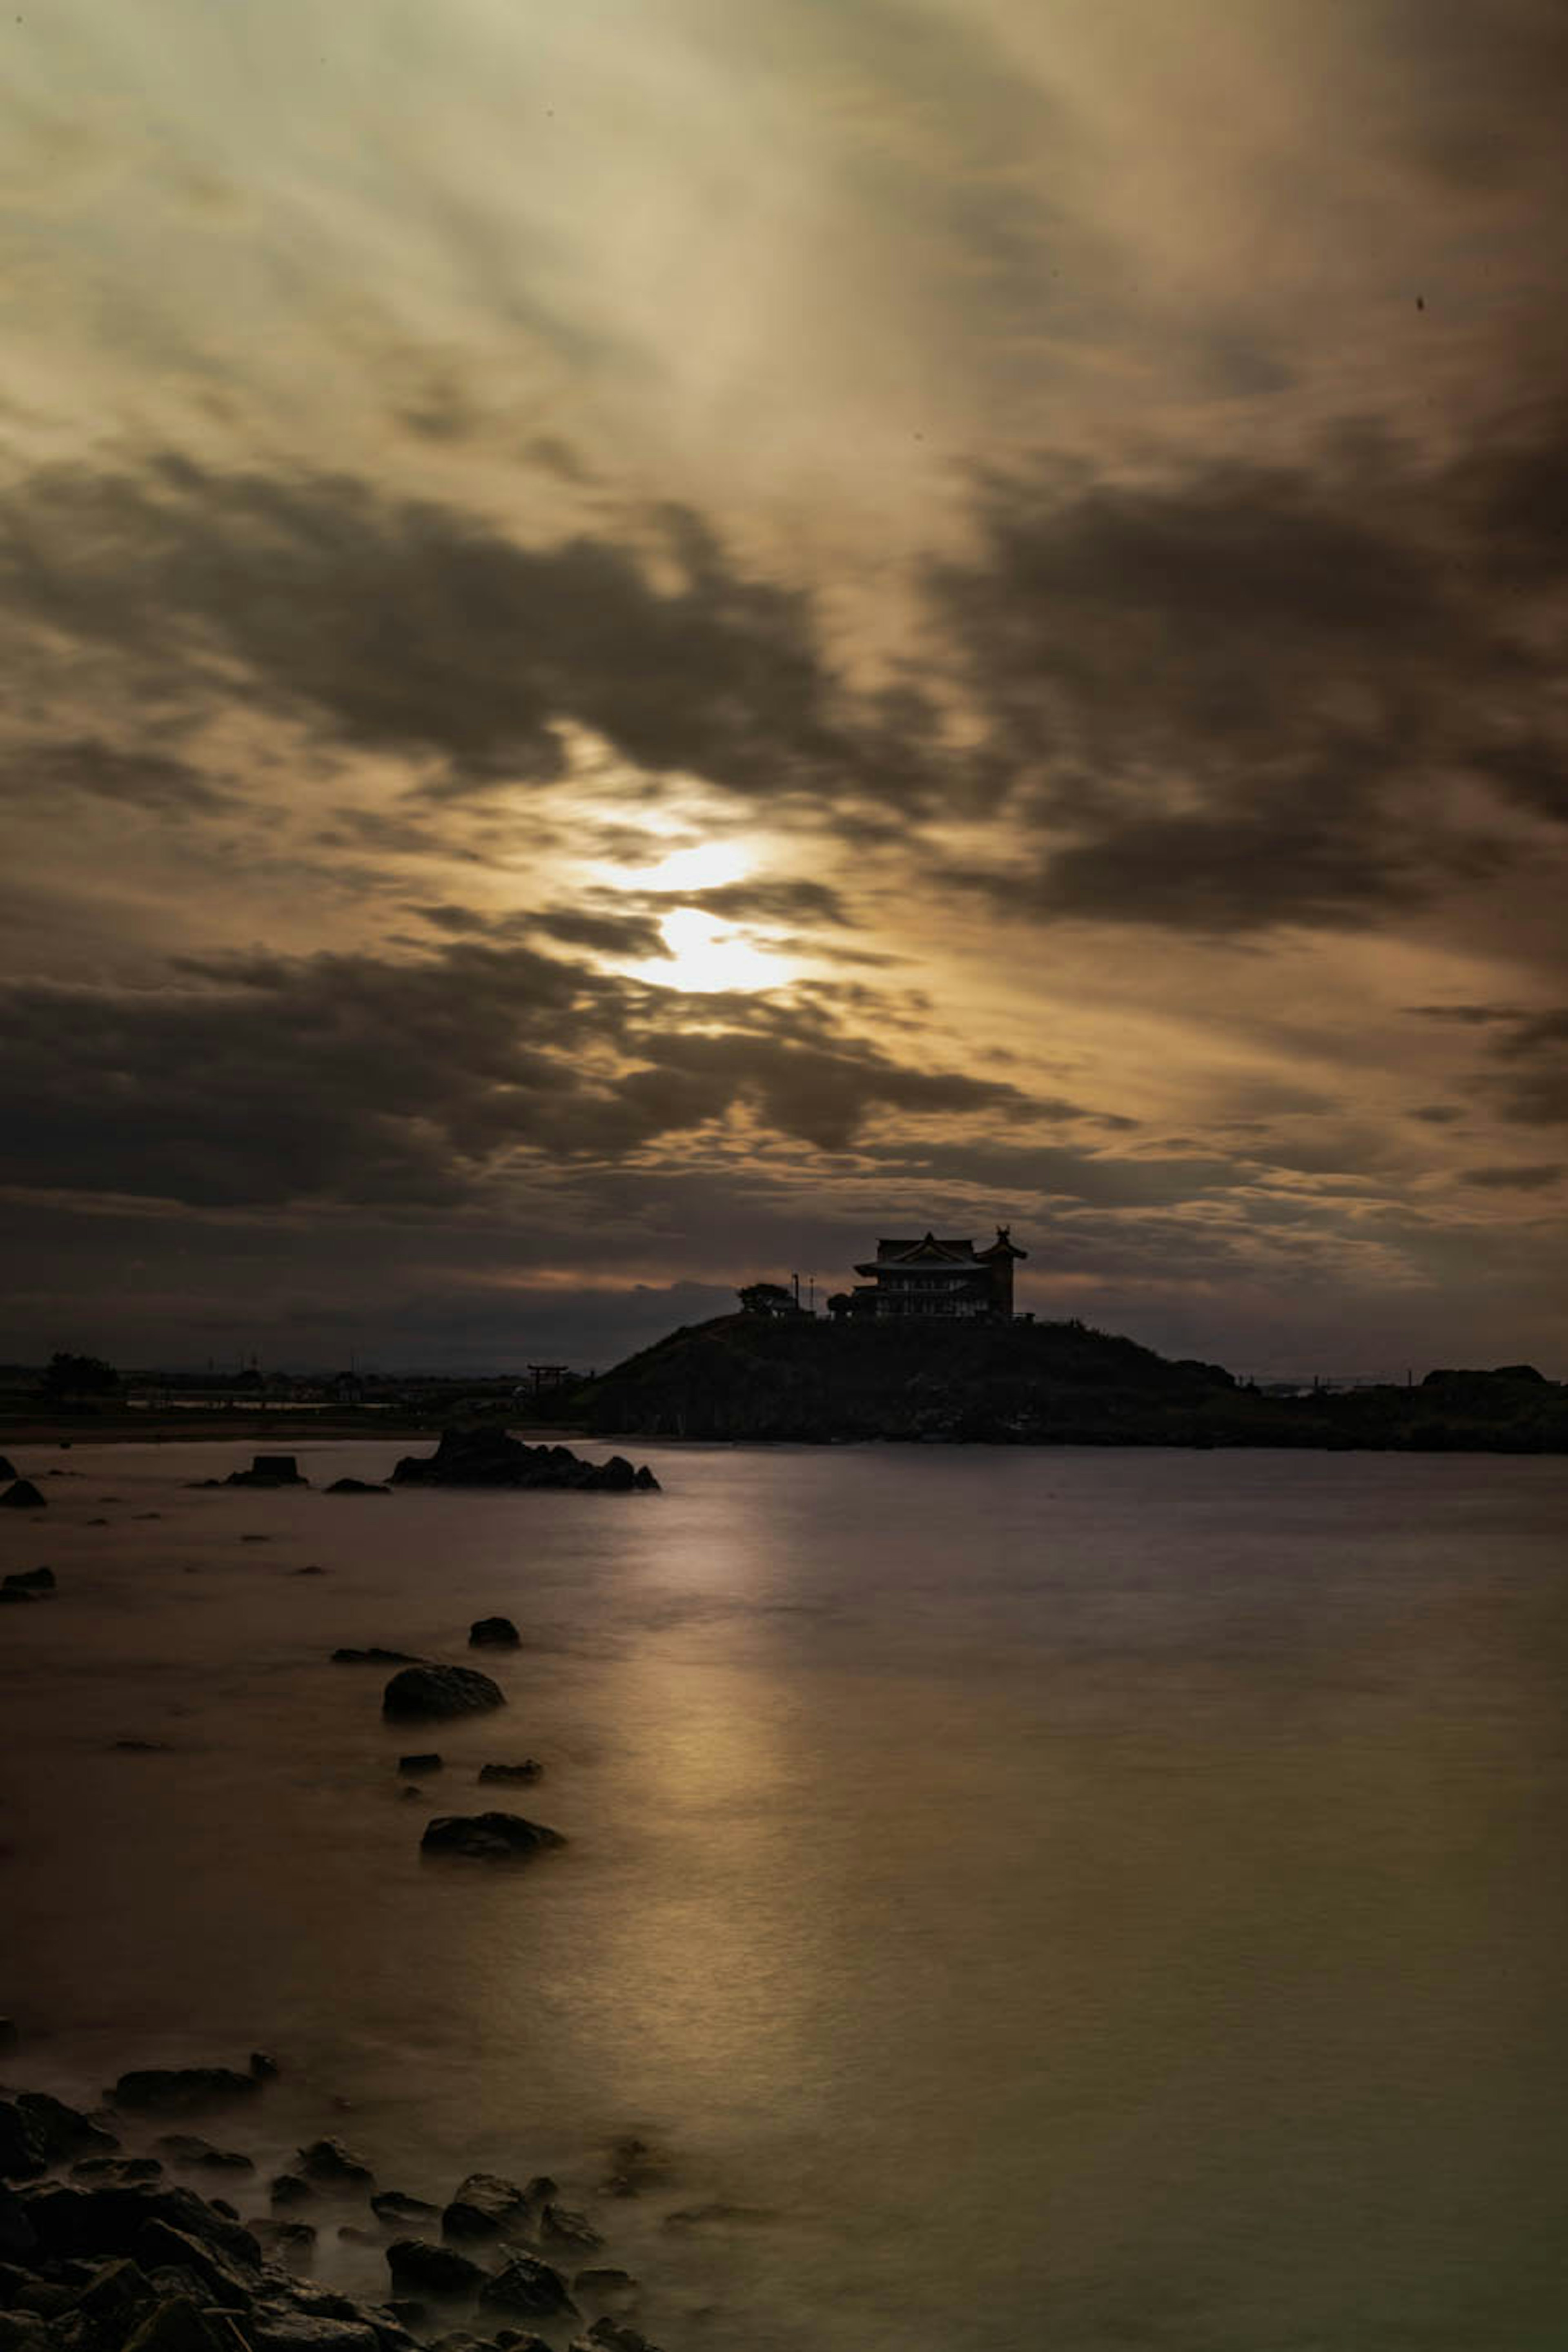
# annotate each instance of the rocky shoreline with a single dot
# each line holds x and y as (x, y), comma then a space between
(107, 2246)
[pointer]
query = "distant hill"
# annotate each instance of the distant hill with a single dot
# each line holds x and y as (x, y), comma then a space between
(755, 1377)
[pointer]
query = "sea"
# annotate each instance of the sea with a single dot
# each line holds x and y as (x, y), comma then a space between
(1024, 1900)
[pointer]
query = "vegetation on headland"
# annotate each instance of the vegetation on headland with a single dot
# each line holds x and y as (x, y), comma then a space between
(792, 1378)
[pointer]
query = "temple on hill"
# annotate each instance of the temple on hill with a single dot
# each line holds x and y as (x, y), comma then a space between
(935, 1276)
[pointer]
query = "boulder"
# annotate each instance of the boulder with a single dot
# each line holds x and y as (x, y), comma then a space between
(159, 2246)
(113, 2300)
(178, 2323)
(31, 1580)
(74, 2220)
(391, 2205)
(557, 2227)
(529, 1769)
(486, 2206)
(268, 1470)
(329, 2164)
(61, 2131)
(21, 2157)
(116, 2171)
(530, 2288)
(426, 2268)
(430, 1763)
(355, 1486)
(487, 1837)
(493, 1633)
(23, 1496)
(615, 2336)
(435, 1692)
(293, 2241)
(22, 2331)
(179, 2090)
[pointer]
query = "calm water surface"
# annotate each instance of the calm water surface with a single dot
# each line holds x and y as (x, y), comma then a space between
(1068, 1900)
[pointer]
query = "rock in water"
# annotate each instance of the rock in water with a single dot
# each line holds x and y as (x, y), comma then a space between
(487, 1837)
(528, 2287)
(431, 2269)
(486, 2206)
(493, 1633)
(268, 1470)
(436, 1691)
(488, 1457)
(563, 2229)
(31, 1580)
(8, 1471)
(529, 1769)
(391, 2205)
(355, 1486)
(374, 1657)
(428, 1763)
(23, 1496)
(329, 2163)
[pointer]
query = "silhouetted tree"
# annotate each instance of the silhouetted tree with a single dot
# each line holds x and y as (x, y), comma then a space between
(767, 1298)
(78, 1376)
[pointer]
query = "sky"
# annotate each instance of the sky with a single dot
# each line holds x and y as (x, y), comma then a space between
(649, 639)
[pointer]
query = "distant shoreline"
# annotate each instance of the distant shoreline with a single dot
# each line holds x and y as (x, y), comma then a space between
(176, 1428)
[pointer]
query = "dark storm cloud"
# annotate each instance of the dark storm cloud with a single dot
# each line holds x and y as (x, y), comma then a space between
(1232, 698)
(351, 1078)
(406, 626)
(1529, 1178)
(43, 772)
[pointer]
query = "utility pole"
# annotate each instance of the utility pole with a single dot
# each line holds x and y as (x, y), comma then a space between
(794, 1278)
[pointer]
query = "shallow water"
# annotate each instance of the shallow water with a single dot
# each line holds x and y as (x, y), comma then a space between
(1073, 1900)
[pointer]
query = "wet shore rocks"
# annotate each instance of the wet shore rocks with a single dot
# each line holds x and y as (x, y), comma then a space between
(489, 1837)
(433, 1693)
(488, 1457)
(118, 2260)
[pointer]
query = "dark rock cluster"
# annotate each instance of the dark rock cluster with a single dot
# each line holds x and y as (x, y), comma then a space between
(488, 1457)
(118, 2259)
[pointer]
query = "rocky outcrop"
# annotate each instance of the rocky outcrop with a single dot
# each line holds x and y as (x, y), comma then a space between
(488, 1457)
(30, 1580)
(530, 2288)
(486, 2206)
(436, 1692)
(23, 1496)
(487, 1837)
(329, 2164)
(493, 1633)
(268, 1470)
(418, 2266)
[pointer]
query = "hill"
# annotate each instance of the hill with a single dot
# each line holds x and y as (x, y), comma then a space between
(755, 1377)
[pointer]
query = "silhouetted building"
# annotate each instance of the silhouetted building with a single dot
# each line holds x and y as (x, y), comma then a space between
(934, 1276)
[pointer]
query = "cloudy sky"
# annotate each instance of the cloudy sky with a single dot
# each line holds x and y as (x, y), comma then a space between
(647, 638)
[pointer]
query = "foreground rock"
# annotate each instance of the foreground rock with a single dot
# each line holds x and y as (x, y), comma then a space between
(488, 1457)
(486, 2206)
(417, 2264)
(528, 2287)
(23, 1496)
(487, 1837)
(435, 1692)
